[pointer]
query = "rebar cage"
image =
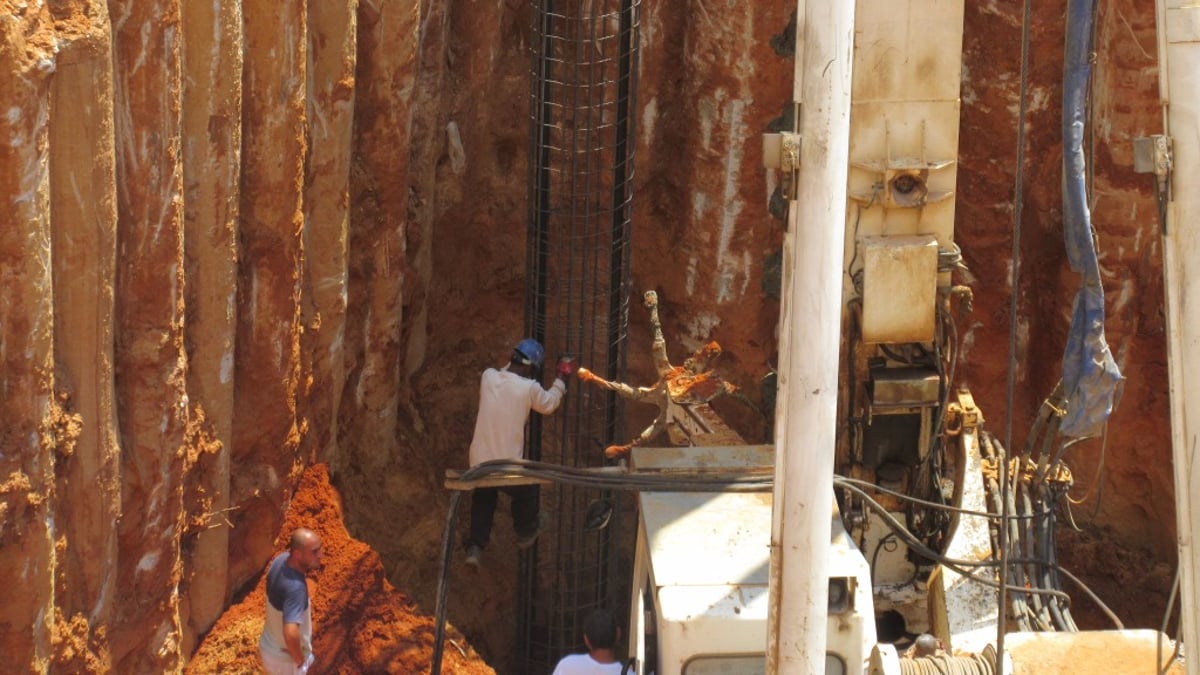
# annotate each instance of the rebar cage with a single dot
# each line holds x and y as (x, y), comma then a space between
(582, 88)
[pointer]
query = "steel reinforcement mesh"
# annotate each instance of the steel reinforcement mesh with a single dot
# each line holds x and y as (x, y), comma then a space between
(582, 85)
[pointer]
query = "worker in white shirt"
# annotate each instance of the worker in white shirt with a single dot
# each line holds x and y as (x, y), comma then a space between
(600, 634)
(506, 397)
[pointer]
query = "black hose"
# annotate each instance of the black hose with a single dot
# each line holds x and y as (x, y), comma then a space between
(1019, 602)
(1046, 538)
(439, 631)
(1034, 522)
(840, 481)
(953, 564)
(1099, 603)
(889, 539)
(605, 478)
(1069, 621)
(1028, 542)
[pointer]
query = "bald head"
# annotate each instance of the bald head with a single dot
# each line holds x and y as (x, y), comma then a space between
(302, 537)
(305, 549)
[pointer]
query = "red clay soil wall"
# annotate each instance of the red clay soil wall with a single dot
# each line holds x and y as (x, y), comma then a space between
(150, 359)
(27, 418)
(212, 151)
(244, 236)
(83, 201)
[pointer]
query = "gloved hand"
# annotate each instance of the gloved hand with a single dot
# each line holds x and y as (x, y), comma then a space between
(303, 669)
(567, 367)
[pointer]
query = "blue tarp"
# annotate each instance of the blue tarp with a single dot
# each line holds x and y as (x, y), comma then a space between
(1090, 375)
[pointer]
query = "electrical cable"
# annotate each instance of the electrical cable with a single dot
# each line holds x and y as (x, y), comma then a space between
(688, 482)
(1034, 568)
(1099, 469)
(1049, 578)
(605, 478)
(1018, 205)
(856, 275)
(1052, 556)
(888, 539)
(1035, 514)
(838, 481)
(1046, 412)
(1036, 538)
(953, 564)
(854, 310)
(1094, 598)
(1019, 601)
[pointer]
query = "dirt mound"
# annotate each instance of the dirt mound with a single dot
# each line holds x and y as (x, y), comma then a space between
(1131, 580)
(362, 624)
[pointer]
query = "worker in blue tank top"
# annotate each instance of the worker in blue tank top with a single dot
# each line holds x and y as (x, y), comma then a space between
(286, 642)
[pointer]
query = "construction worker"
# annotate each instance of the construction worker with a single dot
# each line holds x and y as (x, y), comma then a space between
(286, 642)
(506, 396)
(600, 634)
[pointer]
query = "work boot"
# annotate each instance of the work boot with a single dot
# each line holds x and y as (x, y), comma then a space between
(526, 540)
(473, 553)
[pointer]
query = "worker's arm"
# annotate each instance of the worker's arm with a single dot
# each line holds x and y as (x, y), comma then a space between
(291, 637)
(546, 401)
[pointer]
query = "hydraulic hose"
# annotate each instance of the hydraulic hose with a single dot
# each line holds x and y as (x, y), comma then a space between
(439, 631)
(1029, 530)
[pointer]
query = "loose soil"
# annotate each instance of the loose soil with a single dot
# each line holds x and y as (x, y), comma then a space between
(362, 624)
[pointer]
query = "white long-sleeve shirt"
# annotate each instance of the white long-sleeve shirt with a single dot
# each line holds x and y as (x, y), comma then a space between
(584, 664)
(505, 400)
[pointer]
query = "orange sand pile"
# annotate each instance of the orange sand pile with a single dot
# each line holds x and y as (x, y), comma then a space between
(361, 623)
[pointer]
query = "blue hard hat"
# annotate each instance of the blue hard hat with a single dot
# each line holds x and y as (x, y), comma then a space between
(529, 352)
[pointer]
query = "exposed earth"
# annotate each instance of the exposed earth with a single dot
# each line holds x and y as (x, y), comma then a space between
(255, 253)
(366, 625)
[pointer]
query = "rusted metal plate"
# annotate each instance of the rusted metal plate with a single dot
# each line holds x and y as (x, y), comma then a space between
(694, 459)
(904, 386)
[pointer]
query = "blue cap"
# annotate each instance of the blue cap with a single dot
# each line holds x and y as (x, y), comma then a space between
(529, 352)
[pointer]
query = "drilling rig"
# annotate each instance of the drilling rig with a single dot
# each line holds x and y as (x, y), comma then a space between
(885, 530)
(934, 551)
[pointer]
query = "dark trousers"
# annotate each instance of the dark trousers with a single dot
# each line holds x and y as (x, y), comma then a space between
(524, 503)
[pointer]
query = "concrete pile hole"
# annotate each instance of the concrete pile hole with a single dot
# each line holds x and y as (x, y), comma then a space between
(255, 253)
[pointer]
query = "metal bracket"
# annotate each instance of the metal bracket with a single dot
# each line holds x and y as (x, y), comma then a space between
(782, 151)
(962, 415)
(1152, 154)
(904, 182)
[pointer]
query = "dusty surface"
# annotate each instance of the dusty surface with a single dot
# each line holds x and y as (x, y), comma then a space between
(1093, 652)
(1132, 581)
(242, 237)
(362, 624)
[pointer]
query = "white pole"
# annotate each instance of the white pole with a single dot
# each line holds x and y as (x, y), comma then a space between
(1179, 85)
(810, 322)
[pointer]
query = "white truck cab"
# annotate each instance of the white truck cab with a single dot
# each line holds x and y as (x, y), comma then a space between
(699, 595)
